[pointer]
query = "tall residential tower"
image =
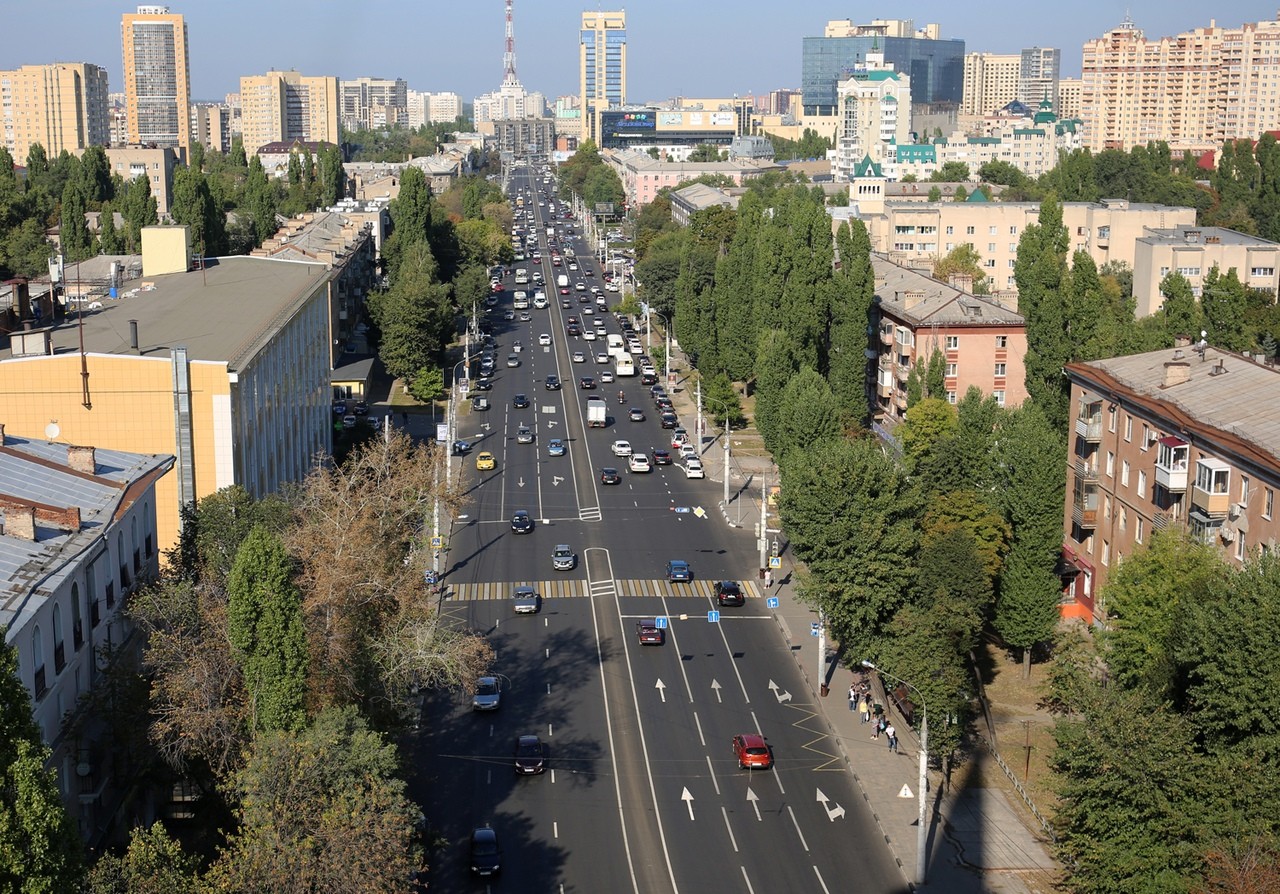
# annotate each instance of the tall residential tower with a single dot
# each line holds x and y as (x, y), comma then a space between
(602, 66)
(62, 105)
(157, 77)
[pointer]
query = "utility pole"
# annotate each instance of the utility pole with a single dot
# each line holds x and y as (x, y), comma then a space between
(764, 525)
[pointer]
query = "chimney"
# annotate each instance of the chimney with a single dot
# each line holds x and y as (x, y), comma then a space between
(1175, 373)
(82, 459)
(20, 522)
(1182, 341)
(912, 297)
(133, 336)
(961, 281)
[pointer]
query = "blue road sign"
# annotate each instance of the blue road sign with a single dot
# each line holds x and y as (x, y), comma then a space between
(713, 617)
(772, 602)
(682, 509)
(660, 622)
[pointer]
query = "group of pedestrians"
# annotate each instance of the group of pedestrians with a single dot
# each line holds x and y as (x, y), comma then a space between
(860, 700)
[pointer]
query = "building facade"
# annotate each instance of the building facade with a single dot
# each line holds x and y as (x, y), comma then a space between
(602, 66)
(1038, 73)
(157, 77)
(283, 106)
(1187, 437)
(1070, 91)
(935, 66)
(79, 535)
(432, 108)
(157, 165)
(211, 126)
(1193, 251)
(643, 176)
(373, 103)
(990, 82)
(62, 106)
(875, 116)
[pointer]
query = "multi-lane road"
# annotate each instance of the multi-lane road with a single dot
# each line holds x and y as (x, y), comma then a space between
(642, 792)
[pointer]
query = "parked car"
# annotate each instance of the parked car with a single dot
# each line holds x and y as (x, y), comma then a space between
(693, 469)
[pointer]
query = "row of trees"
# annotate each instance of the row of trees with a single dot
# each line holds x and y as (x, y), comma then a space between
(587, 176)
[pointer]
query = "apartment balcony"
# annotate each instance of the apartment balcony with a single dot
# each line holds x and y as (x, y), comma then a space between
(1211, 493)
(1089, 428)
(1085, 469)
(1171, 464)
(886, 337)
(903, 372)
(1084, 516)
(1214, 505)
(884, 389)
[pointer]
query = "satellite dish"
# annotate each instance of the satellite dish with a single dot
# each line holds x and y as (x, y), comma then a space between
(51, 431)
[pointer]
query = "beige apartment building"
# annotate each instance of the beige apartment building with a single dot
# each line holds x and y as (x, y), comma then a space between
(983, 341)
(157, 165)
(1194, 251)
(1194, 90)
(1070, 91)
(602, 67)
(432, 108)
(211, 125)
(157, 77)
(61, 106)
(369, 103)
(915, 233)
(283, 106)
(1185, 437)
(990, 82)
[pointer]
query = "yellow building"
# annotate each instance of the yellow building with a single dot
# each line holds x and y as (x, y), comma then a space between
(283, 106)
(62, 106)
(157, 77)
(602, 66)
(990, 82)
(226, 369)
(1193, 251)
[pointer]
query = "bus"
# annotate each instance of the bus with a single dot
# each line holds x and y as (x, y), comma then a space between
(617, 347)
(521, 301)
(624, 365)
(522, 276)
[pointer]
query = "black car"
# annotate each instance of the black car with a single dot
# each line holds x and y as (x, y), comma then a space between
(669, 420)
(587, 383)
(531, 756)
(485, 853)
(481, 385)
(657, 391)
(361, 408)
(521, 523)
(661, 457)
(520, 401)
(648, 378)
(609, 475)
(553, 383)
(728, 593)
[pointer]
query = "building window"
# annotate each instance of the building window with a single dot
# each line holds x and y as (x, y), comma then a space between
(1124, 473)
(1128, 428)
(1123, 523)
(951, 370)
(37, 664)
(968, 231)
(1000, 370)
(951, 231)
(1262, 271)
(998, 394)
(1142, 483)
(1106, 506)
(1146, 437)
(1242, 547)
(953, 342)
(1002, 342)
(1106, 553)
(991, 231)
(951, 397)
(77, 622)
(1244, 490)
(1111, 464)
(1139, 529)
(59, 650)
(1268, 502)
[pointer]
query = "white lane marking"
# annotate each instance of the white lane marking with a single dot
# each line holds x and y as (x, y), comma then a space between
(555, 829)
(754, 800)
(711, 771)
(820, 881)
(701, 737)
(728, 828)
(662, 689)
(687, 797)
(675, 642)
(776, 777)
(795, 823)
(715, 686)
(747, 881)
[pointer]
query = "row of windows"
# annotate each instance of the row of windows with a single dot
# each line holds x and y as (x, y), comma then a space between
(992, 230)
(953, 343)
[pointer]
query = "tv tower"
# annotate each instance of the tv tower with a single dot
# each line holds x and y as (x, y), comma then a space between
(509, 57)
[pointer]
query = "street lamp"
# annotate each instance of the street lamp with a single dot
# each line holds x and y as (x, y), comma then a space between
(922, 837)
(727, 432)
(666, 324)
(450, 422)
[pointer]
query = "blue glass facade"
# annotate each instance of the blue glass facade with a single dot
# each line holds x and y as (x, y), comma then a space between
(936, 67)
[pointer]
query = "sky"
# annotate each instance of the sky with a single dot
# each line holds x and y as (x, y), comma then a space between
(697, 48)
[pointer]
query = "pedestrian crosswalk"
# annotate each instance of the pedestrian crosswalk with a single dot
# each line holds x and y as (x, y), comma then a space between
(566, 588)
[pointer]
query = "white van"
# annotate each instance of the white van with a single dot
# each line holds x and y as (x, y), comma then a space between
(540, 300)
(562, 281)
(521, 301)
(616, 346)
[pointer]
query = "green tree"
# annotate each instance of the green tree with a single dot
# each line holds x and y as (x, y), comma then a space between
(928, 424)
(809, 414)
(138, 208)
(428, 384)
(110, 240)
(704, 152)
(415, 316)
(659, 269)
(331, 179)
(723, 402)
(1223, 302)
(964, 260)
(411, 215)
(265, 629)
(1039, 271)
(1002, 173)
(77, 244)
(1180, 312)
(238, 158)
(738, 323)
(973, 513)
(854, 291)
(40, 852)
(935, 194)
(192, 204)
(775, 367)
(26, 251)
(961, 194)
(260, 200)
(950, 172)
(153, 863)
(95, 176)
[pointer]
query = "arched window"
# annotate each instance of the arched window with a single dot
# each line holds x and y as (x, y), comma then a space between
(59, 650)
(37, 663)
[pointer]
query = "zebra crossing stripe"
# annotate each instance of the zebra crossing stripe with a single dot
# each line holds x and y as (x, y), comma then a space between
(576, 588)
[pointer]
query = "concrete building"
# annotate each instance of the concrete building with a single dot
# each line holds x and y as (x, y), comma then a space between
(698, 197)
(432, 108)
(915, 233)
(1070, 92)
(1195, 90)
(211, 126)
(523, 137)
(643, 176)
(509, 102)
(226, 368)
(875, 115)
(275, 157)
(157, 77)
(283, 106)
(61, 106)
(373, 103)
(602, 67)
(1038, 76)
(676, 127)
(983, 341)
(935, 66)
(1194, 251)
(157, 165)
(1185, 437)
(77, 536)
(990, 82)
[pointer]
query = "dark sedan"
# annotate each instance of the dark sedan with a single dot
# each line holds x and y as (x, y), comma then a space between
(609, 475)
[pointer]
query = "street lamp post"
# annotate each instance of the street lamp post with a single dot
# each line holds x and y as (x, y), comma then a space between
(922, 783)
(727, 432)
(450, 418)
(666, 324)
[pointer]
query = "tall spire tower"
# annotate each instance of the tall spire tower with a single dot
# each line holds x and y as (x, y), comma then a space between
(509, 57)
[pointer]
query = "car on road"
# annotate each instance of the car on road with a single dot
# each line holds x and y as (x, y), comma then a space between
(349, 421)
(688, 451)
(525, 600)
(621, 448)
(460, 448)
(521, 523)
(525, 316)
(693, 469)
(636, 414)
(484, 852)
(555, 447)
(678, 571)
(479, 404)
(531, 756)
(670, 420)
(524, 435)
(601, 357)
(605, 376)
(485, 461)
(729, 593)
(553, 383)
(579, 357)
(513, 360)
(482, 385)
(361, 408)
(752, 752)
(638, 462)
(649, 633)
(661, 457)
(544, 340)
(508, 315)
(679, 438)
(587, 383)
(520, 401)
(487, 694)
(609, 475)
(563, 558)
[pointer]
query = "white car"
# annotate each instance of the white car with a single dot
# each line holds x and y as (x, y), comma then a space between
(602, 357)
(589, 335)
(693, 469)
(639, 463)
(688, 451)
(579, 357)
(605, 377)
(544, 340)
(621, 448)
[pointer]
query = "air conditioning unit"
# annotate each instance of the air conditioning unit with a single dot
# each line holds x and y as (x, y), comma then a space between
(1228, 535)
(1237, 510)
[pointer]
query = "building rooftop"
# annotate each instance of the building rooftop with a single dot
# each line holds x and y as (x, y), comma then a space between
(699, 196)
(924, 301)
(1191, 235)
(1225, 392)
(39, 472)
(223, 313)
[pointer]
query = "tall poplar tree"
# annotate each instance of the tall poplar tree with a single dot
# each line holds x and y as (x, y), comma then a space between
(854, 290)
(1040, 270)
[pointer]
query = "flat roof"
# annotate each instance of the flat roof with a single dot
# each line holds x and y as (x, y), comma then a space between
(1191, 235)
(223, 313)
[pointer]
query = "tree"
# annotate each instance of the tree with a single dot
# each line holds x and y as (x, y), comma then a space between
(971, 512)
(415, 316)
(260, 200)
(238, 158)
(26, 251)
(1223, 301)
(321, 809)
(110, 240)
(138, 208)
(153, 863)
(926, 426)
(935, 194)
(77, 244)
(1180, 312)
(775, 366)
(1039, 271)
(428, 384)
(960, 195)
(854, 290)
(192, 204)
(264, 626)
(723, 402)
(950, 172)
(704, 152)
(1002, 173)
(809, 414)
(965, 261)
(40, 852)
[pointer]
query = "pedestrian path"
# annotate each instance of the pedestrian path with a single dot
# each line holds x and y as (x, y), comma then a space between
(568, 588)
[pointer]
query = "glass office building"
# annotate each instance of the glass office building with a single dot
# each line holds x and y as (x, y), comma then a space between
(936, 67)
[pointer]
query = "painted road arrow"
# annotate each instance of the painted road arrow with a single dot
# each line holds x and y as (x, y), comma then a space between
(687, 798)
(779, 693)
(556, 479)
(755, 802)
(662, 691)
(521, 481)
(832, 813)
(716, 686)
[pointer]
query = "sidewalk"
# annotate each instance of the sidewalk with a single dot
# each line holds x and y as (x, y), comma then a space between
(977, 840)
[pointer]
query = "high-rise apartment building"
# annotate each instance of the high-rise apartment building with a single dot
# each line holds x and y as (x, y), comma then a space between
(1038, 76)
(1193, 91)
(62, 106)
(211, 125)
(282, 106)
(369, 103)
(432, 108)
(157, 77)
(990, 82)
(1069, 92)
(602, 66)
(935, 66)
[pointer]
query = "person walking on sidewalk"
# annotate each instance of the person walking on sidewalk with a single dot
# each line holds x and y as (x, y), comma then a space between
(864, 711)
(892, 733)
(853, 697)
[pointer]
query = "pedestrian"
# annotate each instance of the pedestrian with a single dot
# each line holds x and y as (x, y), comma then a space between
(768, 581)
(875, 730)
(864, 713)
(892, 733)
(853, 697)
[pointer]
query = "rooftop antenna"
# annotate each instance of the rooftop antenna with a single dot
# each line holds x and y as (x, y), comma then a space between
(509, 57)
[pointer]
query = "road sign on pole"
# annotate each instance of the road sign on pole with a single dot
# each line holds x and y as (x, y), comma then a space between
(772, 602)
(775, 562)
(437, 542)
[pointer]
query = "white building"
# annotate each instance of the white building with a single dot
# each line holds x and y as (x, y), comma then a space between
(432, 108)
(875, 115)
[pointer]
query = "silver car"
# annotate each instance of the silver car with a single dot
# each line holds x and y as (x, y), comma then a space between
(526, 601)
(487, 695)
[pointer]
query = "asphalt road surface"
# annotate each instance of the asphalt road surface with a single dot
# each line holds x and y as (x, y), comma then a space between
(642, 792)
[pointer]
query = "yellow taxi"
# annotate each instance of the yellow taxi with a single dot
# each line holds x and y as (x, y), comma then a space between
(485, 462)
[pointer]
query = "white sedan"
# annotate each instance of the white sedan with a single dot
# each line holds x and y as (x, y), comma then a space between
(639, 463)
(579, 357)
(544, 340)
(621, 448)
(693, 469)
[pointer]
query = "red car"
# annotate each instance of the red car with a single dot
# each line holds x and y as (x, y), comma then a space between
(752, 752)
(649, 633)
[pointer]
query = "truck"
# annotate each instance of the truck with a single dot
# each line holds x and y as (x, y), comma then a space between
(597, 412)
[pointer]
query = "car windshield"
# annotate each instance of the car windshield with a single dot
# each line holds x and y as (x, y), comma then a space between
(529, 748)
(487, 687)
(485, 847)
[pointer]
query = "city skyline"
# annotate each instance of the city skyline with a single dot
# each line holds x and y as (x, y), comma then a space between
(724, 56)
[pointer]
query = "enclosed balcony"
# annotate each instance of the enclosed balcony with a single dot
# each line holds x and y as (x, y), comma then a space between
(1084, 506)
(1089, 421)
(1086, 468)
(1211, 494)
(1171, 464)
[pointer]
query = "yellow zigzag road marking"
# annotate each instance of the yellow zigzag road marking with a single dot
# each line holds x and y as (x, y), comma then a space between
(833, 762)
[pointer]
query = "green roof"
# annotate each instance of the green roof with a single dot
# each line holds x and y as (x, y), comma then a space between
(977, 196)
(867, 168)
(1028, 132)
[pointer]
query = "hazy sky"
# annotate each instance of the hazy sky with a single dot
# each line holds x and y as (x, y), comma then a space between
(676, 47)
